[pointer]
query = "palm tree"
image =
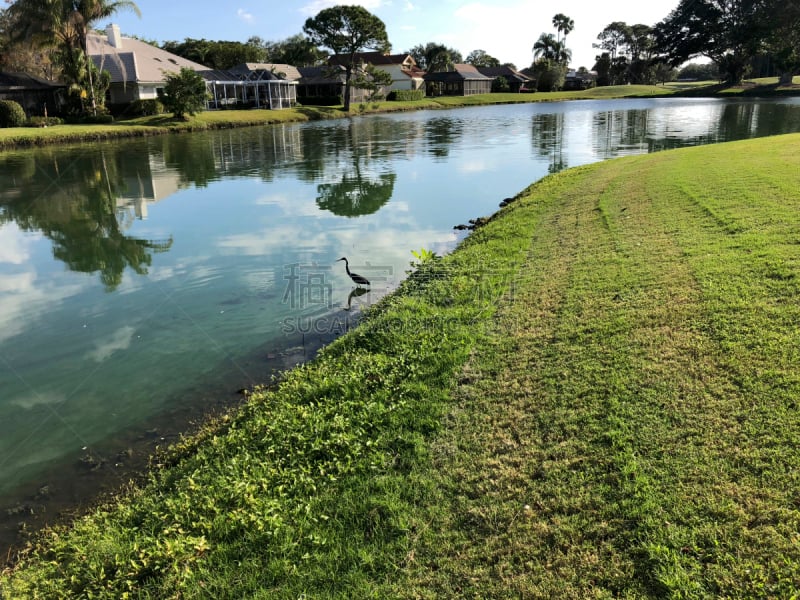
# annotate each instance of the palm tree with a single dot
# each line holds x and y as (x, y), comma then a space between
(548, 47)
(545, 46)
(563, 24)
(66, 23)
(86, 12)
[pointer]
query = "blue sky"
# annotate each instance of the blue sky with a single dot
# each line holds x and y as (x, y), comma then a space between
(506, 29)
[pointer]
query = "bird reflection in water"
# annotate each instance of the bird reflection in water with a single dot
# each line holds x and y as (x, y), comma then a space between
(359, 291)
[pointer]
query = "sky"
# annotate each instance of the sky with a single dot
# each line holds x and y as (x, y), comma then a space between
(506, 29)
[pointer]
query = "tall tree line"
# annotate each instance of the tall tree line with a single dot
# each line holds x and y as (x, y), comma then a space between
(733, 34)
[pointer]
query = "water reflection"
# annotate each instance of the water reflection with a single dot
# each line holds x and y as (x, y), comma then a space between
(83, 207)
(359, 190)
(441, 133)
(548, 139)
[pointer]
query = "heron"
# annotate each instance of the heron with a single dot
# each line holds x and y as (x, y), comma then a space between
(357, 279)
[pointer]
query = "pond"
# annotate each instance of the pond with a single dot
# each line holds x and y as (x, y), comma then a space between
(143, 283)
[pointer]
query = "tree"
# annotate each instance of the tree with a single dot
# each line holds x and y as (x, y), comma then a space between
(563, 25)
(549, 48)
(664, 72)
(549, 74)
(729, 32)
(699, 71)
(433, 57)
(347, 30)
(296, 50)
(783, 37)
(184, 93)
(216, 54)
(614, 38)
(23, 55)
(479, 58)
(66, 23)
(372, 79)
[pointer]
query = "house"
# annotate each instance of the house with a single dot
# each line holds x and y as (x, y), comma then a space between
(287, 72)
(580, 80)
(137, 69)
(405, 73)
(32, 93)
(250, 85)
(325, 86)
(463, 80)
(138, 72)
(517, 81)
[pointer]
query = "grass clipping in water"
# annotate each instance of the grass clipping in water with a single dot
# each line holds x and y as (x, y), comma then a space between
(594, 396)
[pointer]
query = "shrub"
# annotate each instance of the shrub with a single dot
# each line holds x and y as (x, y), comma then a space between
(11, 114)
(44, 121)
(146, 108)
(500, 84)
(99, 119)
(406, 95)
(184, 93)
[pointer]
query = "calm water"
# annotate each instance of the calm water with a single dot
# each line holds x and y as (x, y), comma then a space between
(143, 282)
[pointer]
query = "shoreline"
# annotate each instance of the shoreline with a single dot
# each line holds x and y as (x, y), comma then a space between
(27, 137)
(328, 455)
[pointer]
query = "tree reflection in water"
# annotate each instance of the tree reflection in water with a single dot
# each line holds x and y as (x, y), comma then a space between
(74, 204)
(360, 191)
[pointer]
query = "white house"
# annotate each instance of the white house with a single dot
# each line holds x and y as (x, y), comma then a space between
(137, 69)
(406, 75)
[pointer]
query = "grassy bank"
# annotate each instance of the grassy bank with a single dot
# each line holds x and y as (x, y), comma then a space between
(594, 396)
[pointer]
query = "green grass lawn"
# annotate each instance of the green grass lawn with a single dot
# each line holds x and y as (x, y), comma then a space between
(595, 396)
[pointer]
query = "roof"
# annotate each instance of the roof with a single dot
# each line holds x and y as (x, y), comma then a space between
(414, 72)
(232, 76)
(291, 72)
(375, 58)
(136, 61)
(460, 72)
(321, 75)
(506, 72)
(23, 81)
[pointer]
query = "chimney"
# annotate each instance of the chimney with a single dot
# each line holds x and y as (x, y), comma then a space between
(114, 36)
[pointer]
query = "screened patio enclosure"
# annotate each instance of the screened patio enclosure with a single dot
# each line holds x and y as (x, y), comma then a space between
(254, 89)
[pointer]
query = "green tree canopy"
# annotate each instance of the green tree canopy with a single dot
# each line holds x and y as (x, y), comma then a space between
(217, 54)
(434, 57)
(66, 24)
(296, 50)
(729, 32)
(479, 58)
(563, 25)
(614, 38)
(184, 93)
(549, 48)
(347, 30)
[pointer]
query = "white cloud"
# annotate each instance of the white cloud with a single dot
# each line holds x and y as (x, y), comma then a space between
(245, 16)
(24, 298)
(14, 245)
(119, 340)
(33, 400)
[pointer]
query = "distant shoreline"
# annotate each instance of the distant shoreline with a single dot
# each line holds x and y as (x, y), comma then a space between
(29, 137)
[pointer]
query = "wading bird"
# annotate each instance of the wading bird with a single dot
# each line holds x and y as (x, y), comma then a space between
(357, 279)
